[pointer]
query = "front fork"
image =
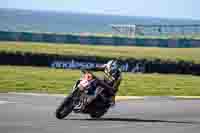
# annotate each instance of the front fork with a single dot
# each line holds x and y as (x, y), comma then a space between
(76, 85)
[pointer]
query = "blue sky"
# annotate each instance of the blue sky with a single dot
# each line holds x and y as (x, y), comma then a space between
(155, 8)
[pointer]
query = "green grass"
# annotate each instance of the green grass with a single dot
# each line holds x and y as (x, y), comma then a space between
(47, 80)
(174, 54)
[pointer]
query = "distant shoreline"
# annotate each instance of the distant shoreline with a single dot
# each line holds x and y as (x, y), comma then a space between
(70, 22)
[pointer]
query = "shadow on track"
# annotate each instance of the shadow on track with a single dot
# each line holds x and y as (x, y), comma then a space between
(134, 120)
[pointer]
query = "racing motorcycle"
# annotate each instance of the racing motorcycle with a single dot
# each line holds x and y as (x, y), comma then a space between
(81, 94)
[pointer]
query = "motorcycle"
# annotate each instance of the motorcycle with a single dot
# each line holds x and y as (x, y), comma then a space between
(83, 91)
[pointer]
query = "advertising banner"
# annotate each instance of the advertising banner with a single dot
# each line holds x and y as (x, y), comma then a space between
(73, 64)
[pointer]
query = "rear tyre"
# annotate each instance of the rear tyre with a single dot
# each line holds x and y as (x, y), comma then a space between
(96, 115)
(65, 108)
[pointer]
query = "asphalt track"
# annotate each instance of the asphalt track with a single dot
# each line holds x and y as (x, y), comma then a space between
(35, 114)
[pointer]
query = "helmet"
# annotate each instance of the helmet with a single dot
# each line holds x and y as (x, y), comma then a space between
(112, 67)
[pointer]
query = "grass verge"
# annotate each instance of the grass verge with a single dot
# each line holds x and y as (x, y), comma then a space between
(150, 53)
(47, 80)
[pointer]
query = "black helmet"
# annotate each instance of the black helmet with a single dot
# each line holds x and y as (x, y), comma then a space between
(112, 67)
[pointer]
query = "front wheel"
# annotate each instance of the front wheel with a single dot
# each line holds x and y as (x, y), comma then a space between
(65, 108)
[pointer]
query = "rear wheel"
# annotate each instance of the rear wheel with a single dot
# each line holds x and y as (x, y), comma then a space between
(97, 115)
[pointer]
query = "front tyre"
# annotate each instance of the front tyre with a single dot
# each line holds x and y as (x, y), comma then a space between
(65, 108)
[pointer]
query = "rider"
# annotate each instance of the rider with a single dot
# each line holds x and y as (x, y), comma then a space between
(112, 78)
